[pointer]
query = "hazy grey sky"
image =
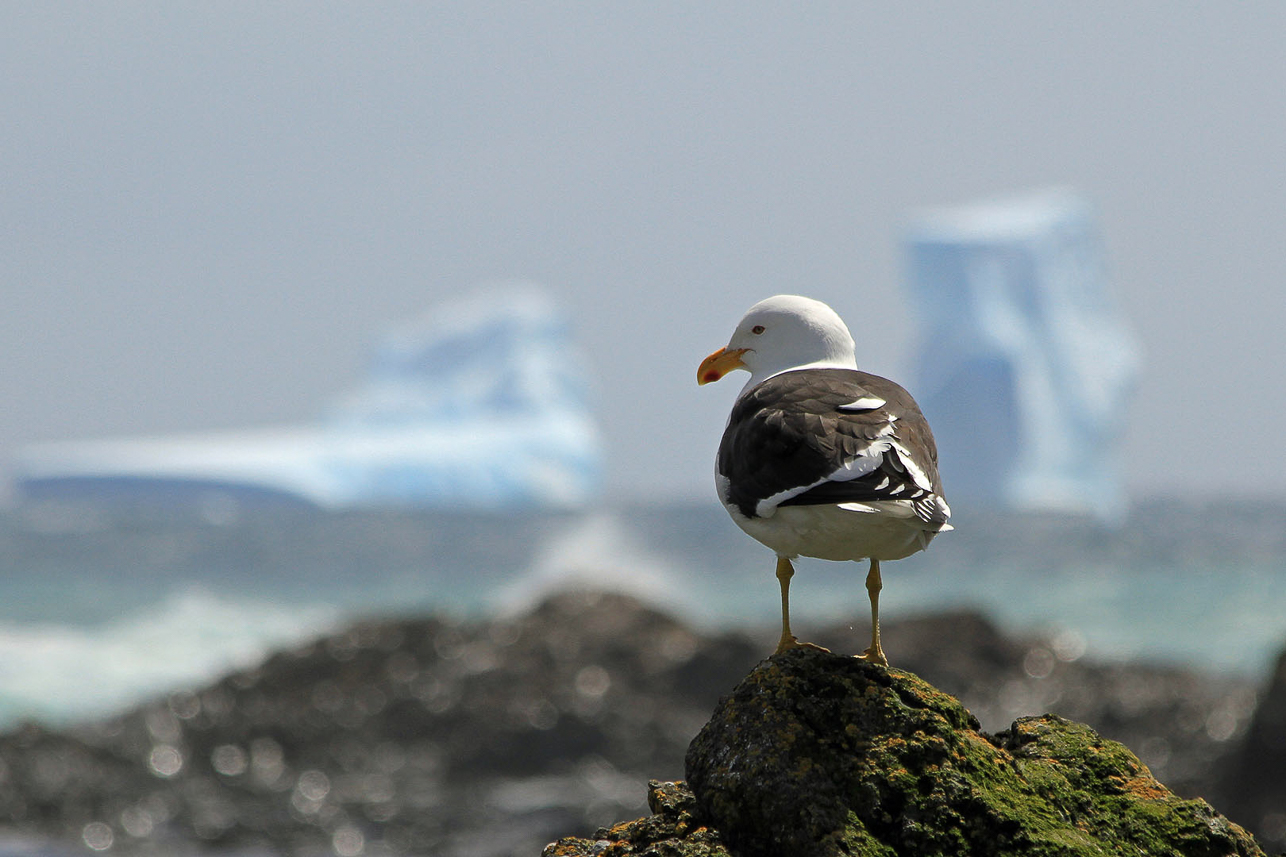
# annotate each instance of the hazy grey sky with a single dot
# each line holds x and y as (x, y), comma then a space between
(211, 210)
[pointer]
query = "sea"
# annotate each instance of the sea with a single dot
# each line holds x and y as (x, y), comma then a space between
(103, 609)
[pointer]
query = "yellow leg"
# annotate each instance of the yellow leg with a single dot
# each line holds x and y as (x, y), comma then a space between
(785, 571)
(875, 654)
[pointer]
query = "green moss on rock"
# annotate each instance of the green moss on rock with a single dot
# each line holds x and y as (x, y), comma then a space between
(815, 755)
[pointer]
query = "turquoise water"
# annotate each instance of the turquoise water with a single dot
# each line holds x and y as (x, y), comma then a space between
(97, 613)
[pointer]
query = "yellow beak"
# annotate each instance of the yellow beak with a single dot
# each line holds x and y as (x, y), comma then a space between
(719, 364)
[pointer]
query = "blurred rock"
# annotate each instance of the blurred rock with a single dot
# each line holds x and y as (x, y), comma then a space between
(417, 736)
(1254, 780)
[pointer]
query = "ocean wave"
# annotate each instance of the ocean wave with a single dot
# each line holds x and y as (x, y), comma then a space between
(599, 552)
(62, 673)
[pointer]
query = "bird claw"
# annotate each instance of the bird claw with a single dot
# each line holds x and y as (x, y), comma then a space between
(791, 642)
(875, 656)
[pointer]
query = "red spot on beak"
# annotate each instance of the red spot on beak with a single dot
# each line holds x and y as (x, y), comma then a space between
(719, 364)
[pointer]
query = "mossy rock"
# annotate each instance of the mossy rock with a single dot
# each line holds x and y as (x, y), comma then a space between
(818, 754)
(815, 755)
(672, 831)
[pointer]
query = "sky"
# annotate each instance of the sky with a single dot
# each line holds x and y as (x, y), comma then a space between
(210, 212)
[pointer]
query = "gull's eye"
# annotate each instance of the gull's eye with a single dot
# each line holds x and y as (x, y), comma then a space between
(757, 329)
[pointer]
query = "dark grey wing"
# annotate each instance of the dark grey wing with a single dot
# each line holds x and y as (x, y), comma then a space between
(827, 436)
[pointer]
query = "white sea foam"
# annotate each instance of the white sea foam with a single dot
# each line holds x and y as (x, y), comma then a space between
(62, 673)
(595, 552)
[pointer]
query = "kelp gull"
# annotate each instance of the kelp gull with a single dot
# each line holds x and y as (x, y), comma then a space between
(820, 459)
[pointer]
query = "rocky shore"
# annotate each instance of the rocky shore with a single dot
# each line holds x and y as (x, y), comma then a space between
(430, 736)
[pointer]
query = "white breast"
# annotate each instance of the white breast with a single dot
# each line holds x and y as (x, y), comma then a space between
(883, 530)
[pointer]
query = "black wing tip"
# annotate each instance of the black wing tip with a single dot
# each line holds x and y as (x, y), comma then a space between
(933, 509)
